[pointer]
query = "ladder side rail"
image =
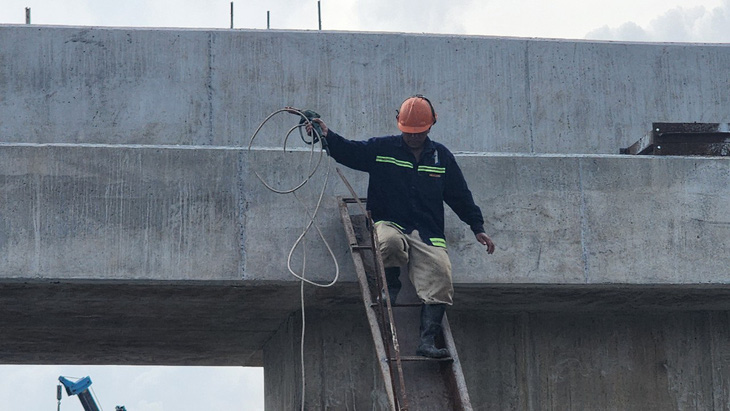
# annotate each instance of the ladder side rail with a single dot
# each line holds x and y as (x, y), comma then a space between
(385, 301)
(380, 272)
(393, 351)
(379, 293)
(380, 348)
(385, 316)
(458, 383)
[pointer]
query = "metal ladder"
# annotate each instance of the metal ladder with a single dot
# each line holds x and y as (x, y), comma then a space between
(411, 382)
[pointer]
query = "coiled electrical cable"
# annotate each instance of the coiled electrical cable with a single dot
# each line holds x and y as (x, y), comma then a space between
(314, 165)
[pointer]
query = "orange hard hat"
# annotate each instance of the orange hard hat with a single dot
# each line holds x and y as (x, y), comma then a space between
(416, 115)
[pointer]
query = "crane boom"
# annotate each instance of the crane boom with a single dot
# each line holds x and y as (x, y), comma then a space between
(80, 388)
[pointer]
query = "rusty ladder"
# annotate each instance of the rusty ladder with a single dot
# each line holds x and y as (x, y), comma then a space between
(411, 382)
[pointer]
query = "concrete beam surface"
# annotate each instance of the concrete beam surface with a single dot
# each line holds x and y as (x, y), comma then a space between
(213, 87)
(610, 359)
(174, 222)
(183, 213)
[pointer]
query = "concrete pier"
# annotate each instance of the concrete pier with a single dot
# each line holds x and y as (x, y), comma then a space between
(132, 222)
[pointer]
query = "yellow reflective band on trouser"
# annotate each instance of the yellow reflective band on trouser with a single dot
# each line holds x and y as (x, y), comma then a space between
(392, 160)
(438, 242)
(429, 169)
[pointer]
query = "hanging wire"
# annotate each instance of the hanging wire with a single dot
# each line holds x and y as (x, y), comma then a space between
(314, 164)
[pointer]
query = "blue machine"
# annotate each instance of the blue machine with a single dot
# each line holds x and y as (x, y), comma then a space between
(80, 388)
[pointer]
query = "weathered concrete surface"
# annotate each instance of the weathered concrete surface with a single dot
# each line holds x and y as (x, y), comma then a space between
(213, 87)
(339, 369)
(119, 213)
(233, 323)
(610, 360)
(156, 213)
(582, 359)
(182, 213)
(597, 219)
(148, 322)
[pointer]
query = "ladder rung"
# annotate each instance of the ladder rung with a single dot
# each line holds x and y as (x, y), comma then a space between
(417, 358)
(361, 247)
(411, 305)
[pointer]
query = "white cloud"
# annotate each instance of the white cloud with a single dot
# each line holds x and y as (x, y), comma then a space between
(425, 16)
(680, 24)
(679, 20)
(626, 32)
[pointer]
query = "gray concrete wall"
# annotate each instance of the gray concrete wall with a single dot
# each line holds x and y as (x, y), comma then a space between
(633, 360)
(153, 86)
(582, 359)
(339, 371)
(120, 213)
(184, 213)
(598, 219)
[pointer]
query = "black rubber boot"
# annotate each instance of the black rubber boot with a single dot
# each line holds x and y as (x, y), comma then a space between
(394, 284)
(431, 316)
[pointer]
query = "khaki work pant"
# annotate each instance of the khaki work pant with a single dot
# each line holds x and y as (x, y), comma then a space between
(429, 267)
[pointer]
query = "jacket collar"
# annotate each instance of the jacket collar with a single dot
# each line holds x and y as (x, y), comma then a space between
(428, 145)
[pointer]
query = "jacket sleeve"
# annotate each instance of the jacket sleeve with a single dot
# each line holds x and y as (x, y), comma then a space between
(357, 155)
(458, 196)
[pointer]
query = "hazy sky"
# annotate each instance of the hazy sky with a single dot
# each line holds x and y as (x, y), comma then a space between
(235, 388)
(33, 388)
(641, 20)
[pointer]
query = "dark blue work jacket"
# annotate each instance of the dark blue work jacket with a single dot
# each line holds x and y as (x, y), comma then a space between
(407, 192)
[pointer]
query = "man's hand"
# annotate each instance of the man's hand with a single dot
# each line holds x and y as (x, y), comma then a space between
(319, 121)
(322, 125)
(484, 239)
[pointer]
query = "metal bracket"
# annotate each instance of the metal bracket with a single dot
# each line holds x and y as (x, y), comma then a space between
(683, 139)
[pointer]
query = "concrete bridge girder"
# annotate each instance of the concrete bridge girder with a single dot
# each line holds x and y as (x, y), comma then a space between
(213, 87)
(169, 213)
(186, 242)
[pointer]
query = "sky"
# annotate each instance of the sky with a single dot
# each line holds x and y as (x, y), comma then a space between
(622, 20)
(241, 388)
(33, 388)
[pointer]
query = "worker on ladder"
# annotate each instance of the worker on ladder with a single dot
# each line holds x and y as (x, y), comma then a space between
(411, 177)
